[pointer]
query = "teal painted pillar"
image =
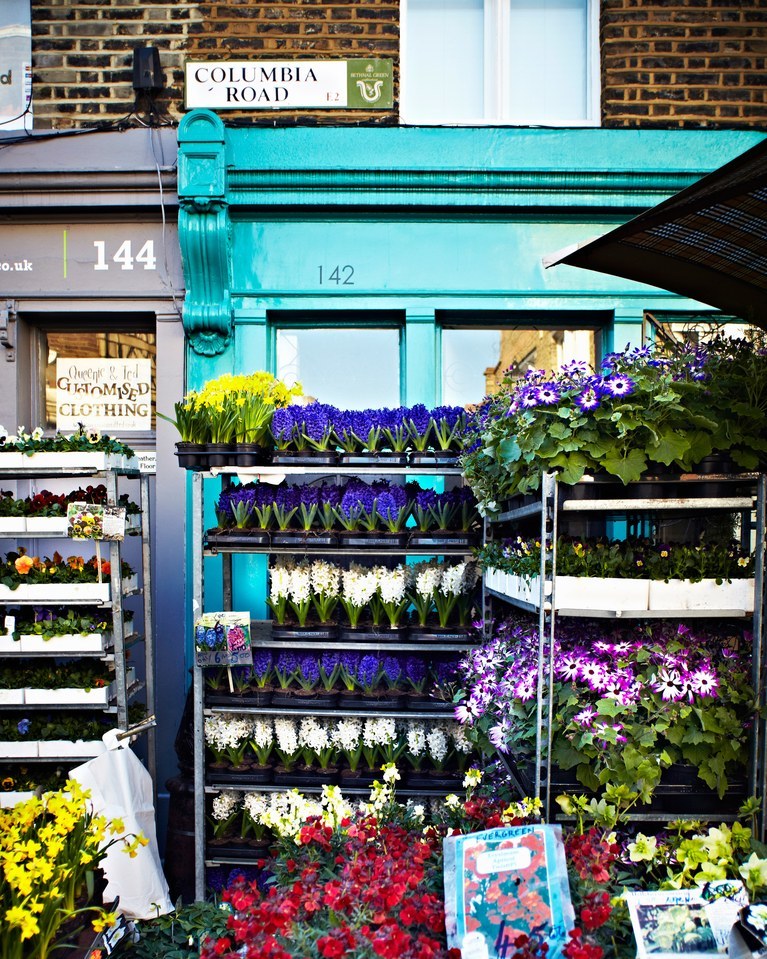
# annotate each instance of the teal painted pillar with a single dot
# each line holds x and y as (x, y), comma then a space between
(419, 381)
(626, 329)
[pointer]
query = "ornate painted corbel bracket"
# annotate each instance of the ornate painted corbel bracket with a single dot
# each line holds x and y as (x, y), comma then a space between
(203, 230)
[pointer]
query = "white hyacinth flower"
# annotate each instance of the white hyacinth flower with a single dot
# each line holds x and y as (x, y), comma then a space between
(225, 804)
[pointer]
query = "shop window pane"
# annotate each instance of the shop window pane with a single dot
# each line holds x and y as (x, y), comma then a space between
(445, 61)
(126, 403)
(474, 360)
(352, 368)
(548, 60)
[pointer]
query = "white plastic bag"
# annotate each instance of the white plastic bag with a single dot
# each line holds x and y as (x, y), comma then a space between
(121, 788)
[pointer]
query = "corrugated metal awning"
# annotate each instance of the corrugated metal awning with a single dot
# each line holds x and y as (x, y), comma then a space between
(708, 242)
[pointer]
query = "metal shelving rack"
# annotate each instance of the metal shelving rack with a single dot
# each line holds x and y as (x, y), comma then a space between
(121, 641)
(551, 504)
(261, 637)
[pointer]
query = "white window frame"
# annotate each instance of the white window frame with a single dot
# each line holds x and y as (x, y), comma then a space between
(497, 70)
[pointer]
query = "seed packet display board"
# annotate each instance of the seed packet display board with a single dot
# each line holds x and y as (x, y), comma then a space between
(694, 922)
(504, 883)
(223, 639)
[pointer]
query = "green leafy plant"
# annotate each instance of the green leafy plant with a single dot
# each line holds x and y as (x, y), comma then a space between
(624, 559)
(628, 703)
(84, 440)
(180, 934)
(640, 410)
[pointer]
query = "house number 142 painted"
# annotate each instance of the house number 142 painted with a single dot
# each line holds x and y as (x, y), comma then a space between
(340, 275)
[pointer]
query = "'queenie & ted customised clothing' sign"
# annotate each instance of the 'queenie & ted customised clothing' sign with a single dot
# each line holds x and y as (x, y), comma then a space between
(106, 394)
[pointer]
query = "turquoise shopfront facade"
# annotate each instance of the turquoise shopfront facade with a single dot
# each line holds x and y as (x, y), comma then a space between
(362, 249)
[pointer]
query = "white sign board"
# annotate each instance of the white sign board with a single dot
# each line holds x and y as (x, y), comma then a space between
(289, 84)
(106, 394)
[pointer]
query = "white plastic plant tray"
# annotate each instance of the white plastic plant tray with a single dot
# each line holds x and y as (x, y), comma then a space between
(19, 750)
(56, 593)
(67, 461)
(12, 697)
(47, 525)
(602, 593)
(66, 643)
(9, 645)
(14, 797)
(80, 748)
(12, 525)
(737, 595)
(68, 696)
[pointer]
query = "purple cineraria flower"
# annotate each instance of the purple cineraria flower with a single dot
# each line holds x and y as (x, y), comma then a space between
(23, 726)
(468, 712)
(497, 736)
(528, 398)
(526, 688)
(593, 674)
(588, 400)
(585, 717)
(548, 394)
(619, 385)
(668, 683)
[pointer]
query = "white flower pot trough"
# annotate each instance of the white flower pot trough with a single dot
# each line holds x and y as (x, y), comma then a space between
(21, 750)
(56, 593)
(12, 525)
(609, 593)
(736, 596)
(65, 748)
(67, 696)
(11, 697)
(14, 797)
(66, 643)
(47, 525)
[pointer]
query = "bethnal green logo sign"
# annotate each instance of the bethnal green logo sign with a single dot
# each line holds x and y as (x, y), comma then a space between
(289, 84)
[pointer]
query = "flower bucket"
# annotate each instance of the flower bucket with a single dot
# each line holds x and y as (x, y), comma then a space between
(56, 593)
(736, 596)
(58, 645)
(609, 593)
(130, 584)
(51, 525)
(16, 750)
(12, 525)
(85, 749)
(11, 697)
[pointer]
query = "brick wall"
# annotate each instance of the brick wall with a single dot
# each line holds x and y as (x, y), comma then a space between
(664, 62)
(83, 51)
(684, 63)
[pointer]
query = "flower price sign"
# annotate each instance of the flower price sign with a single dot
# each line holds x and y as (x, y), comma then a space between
(285, 85)
(223, 639)
(501, 884)
(694, 922)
